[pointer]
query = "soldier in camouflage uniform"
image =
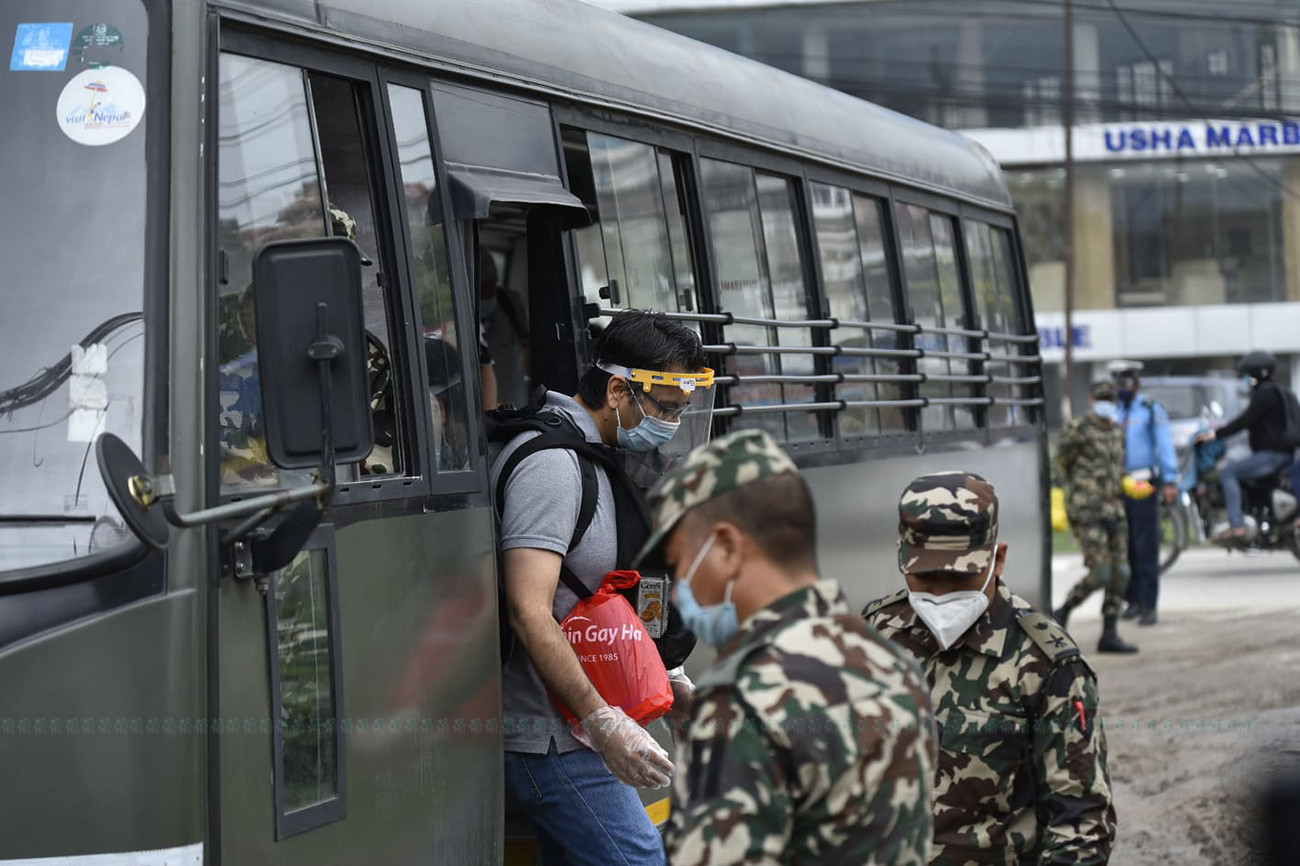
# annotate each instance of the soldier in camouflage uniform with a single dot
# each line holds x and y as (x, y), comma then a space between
(1022, 760)
(1091, 459)
(810, 738)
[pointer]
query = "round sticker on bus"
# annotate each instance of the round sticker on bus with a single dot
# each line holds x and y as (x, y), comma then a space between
(100, 106)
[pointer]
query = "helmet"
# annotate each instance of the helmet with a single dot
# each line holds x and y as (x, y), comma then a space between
(1121, 369)
(1257, 365)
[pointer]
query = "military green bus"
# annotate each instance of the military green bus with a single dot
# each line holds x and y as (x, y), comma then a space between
(238, 629)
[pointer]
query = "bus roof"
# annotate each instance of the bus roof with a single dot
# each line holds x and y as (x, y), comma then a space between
(597, 56)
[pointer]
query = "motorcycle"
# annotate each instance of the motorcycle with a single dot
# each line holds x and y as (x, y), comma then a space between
(1269, 504)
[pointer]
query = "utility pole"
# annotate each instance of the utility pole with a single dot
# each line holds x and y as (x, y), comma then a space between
(1067, 121)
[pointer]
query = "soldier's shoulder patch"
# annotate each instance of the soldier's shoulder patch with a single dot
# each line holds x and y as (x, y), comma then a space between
(1048, 635)
(882, 603)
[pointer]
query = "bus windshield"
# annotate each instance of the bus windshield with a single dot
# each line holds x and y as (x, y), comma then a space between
(72, 239)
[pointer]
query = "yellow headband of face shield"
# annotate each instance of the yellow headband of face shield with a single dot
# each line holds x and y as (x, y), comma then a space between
(647, 379)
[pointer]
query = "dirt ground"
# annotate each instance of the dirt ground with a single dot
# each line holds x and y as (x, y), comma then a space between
(1198, 724)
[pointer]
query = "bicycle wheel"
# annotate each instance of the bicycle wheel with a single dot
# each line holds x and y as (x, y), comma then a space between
(1174, 526)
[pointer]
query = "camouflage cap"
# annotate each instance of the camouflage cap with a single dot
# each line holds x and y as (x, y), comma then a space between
(342, 225)
(947, 521)
(710, 471)
(1105, 390)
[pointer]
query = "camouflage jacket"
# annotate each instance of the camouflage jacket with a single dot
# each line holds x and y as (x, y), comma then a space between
(810, 741)
(1091, 459)
(1022, 773)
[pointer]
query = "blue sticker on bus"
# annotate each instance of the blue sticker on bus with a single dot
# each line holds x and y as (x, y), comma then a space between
(41, 47)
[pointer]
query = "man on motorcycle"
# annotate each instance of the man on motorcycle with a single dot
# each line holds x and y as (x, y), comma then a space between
(1148, 456)
(1265, 418)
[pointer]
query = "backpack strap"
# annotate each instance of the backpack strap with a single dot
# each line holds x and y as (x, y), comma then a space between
(556, 432)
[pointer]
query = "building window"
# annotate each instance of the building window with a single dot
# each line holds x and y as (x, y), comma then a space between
(1206, 233)
(1217, 62)
(1043, 101)
(1143, 85)
(1268, 77)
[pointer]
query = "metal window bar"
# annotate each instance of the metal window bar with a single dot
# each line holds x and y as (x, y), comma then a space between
(1017, 380)
(959, 401)
(835, 379)
(1012, 338)
(879, 326)
(956, 332)
(792, 379)
(1014, 359)
(1018, 401)
(901, 378)
(959, 378)
(957, 356)
(885, 404)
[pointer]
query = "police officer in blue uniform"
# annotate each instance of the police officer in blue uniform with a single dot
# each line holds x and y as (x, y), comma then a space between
(1148, 456)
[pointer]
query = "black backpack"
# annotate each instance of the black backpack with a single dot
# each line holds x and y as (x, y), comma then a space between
(633, 520)
(1290, 416)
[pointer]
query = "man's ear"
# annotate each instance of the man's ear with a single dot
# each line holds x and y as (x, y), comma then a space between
(731, 545)
(615, 391)
(1000, 559)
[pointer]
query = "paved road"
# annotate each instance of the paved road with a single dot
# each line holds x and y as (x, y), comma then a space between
(1207, 714)
(1203, 580)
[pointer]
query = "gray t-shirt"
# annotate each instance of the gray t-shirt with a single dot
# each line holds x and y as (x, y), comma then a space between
(540, 511)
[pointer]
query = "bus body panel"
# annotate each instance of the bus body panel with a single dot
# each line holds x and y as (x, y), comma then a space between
(421, 700)
(102, 733)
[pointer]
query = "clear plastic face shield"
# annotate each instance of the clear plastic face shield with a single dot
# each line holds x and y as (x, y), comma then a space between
(684, 399)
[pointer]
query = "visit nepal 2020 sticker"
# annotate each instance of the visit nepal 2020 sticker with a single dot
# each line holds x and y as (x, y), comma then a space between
(100, 106)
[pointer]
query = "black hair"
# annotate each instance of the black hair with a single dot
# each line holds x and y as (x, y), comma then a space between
(776, 512)
(647, 341)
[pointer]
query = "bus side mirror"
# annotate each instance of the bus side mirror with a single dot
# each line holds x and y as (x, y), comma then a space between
(311, 347)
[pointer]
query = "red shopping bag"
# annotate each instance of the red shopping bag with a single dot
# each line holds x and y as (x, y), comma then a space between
(617, 652)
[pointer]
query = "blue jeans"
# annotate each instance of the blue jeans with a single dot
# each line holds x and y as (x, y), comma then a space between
(1143, 550)
(583, 815)
(1261, 464)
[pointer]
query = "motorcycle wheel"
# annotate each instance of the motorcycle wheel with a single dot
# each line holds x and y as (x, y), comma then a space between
(1174, 528)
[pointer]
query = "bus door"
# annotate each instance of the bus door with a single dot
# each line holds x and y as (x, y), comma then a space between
(356, 693)
(512, 208)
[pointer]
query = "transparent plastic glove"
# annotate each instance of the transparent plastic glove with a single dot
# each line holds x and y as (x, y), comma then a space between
(628, 750)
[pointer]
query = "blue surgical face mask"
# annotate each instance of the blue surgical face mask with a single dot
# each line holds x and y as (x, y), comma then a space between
(1247, 380)
(650, 434)
(715, 624)
(1106, 409)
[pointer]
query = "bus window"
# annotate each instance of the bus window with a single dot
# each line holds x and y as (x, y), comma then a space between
(989, 251)
(934, 291)
(751, 220)
(440, 342)
(637, 243)
(856, 276)
(272, 188)
(954, 313)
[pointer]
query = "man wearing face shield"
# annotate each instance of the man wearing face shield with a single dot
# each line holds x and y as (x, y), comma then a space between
(810, 738)
(1021, 775)
(644, 392)
(1148, 457)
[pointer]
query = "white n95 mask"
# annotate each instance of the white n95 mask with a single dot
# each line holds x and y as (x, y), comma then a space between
(948, 616)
